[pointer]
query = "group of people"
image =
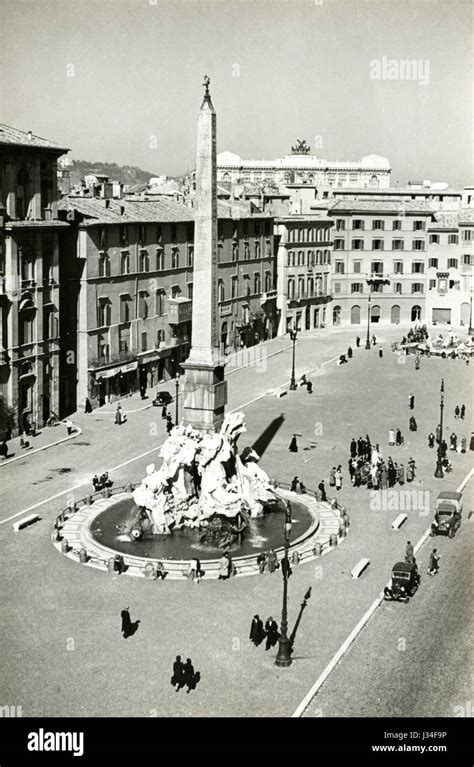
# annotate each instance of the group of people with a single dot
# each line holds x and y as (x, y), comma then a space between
(259, 632)
(100, 483)
(184, 675)
(368, 467)
(460, 412)
(304, 382)
(267, 561)
(395, 437)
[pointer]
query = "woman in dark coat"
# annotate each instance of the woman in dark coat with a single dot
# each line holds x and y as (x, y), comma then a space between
(177, 677)
(257, 632)
(332, 477)
(353, 448)
(293, 448)
(413, 424)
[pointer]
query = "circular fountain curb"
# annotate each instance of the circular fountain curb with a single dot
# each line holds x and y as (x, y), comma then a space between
(72, 536)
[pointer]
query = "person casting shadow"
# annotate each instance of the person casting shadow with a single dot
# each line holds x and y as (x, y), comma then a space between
(129, 627)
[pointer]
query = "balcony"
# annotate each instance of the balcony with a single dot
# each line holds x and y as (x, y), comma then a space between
(180, 310)
(109, 359)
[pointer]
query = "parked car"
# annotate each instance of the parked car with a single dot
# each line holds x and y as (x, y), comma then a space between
(448, 513)
(162, 398)
(405, 581)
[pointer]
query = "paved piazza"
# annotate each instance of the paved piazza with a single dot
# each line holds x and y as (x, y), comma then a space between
(60, 621)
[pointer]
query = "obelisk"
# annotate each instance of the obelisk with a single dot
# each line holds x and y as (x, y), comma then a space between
(205, 391)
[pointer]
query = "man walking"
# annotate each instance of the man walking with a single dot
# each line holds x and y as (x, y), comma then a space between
(176, 679)
(322, 490)
(434, 562)
(257, 632)
(271, 631)
(409, 552)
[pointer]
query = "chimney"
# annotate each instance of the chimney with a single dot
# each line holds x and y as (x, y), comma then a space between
(122, 210)
(30, 135)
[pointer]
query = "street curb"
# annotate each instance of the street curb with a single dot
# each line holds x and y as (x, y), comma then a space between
(77, 433)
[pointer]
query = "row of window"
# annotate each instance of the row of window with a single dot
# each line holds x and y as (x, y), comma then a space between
(156, 302)
(308, 234)
(308, 257)
(378, 244)
(358, 287)
(145, 234)
(306, 287)
(417, 267)
(379, 224)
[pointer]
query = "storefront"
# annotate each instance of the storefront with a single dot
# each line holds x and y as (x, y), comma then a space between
(110, 384)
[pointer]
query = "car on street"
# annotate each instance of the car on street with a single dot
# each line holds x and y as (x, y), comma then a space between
(448, 513)
(405, 581)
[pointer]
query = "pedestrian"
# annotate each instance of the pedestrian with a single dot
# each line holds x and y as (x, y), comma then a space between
(434, 562)
(463, 445)
(357, 341)
(169, 424)
(257, 632)
(453, 441)
(411, 401)
(294, 484)
(409, 552)
(188, 675)
(262, 562)
(413, 424)
(463, 411)
(177, 676)
(302, 488)
(143, 391)
(444, 448)
(398, 438)
(338, 478)
(457, 411)
(353, 448)
(322, 490)
(87, 405)
(391, 437)
(69, 426)
(272, 633)
(272, 561)
(192, 569)
(309, 387)
(128, 627)
(164, 412)
(119, 415)
(293, 448)
(332, 477)
(383, 477)
(431, 440)
(401, 474)
(4, 450)
(285, 567)
(224, 567)
(417, 362)
(411, 470)
(374, 340)
(349, 352)
(380, 353)
(295, 558)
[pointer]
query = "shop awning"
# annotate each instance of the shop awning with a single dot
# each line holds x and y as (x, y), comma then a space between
(111, 372)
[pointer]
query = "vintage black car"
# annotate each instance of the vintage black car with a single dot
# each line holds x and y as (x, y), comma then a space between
(162, 398)
(405, 581)
(447, 520)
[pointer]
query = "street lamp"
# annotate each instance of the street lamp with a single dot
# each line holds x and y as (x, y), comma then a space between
(176, 397)
(293, 335)
(283, 659)
(367, 340)
(439, 462)
(471, 329)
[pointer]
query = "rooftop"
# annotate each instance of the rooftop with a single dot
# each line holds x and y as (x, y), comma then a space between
(409, 207)
(14, 137)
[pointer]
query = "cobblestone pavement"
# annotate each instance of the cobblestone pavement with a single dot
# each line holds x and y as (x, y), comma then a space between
(61, 622)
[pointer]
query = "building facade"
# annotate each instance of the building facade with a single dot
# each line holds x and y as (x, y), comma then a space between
(449, 272)
(130, 272)
(386, 240)
(304, 250)
(30, 374)
(371, 172)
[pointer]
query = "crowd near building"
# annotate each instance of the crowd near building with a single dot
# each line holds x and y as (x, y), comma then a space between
(96, 281)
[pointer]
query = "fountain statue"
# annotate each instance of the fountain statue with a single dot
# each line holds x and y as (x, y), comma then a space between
(203, 483)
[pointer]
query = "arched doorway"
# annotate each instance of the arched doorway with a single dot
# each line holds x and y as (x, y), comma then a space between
(355, 315)
(395, 315)
(465, 314)
(415, 313)
(375, 314)
(336, 315)
(224, 336)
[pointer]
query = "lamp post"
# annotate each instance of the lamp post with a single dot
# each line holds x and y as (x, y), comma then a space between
(367, 340)
(471, 329)
(439, 462)
(293, 335)
(176, 397)
(283, 658)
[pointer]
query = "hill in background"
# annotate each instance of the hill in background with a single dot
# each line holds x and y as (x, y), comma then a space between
(126, 174)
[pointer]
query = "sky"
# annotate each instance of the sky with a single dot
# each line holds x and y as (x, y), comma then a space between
(120, 80)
